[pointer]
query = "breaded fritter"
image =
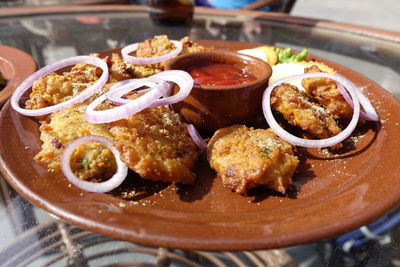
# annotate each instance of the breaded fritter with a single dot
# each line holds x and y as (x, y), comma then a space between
(245, 158)
(298, 110)
(161, 45)
(94, 162)
(325, 91)
(155, 144)
(55, 88)
(61, 128)
(322, 66)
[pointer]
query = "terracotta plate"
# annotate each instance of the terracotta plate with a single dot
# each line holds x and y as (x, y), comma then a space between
(15, 65)
(335, 194)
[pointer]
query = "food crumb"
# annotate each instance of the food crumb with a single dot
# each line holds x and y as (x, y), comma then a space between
(122, 205)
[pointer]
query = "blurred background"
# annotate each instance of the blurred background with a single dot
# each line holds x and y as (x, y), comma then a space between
(383, 14)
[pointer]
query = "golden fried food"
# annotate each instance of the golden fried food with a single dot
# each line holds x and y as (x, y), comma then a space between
(55, 88)
(155, 144)
(94, 162)
(325, 91)
(161, 45)
(245, 158)
(299, 111)
(322, 66)
(61, 128)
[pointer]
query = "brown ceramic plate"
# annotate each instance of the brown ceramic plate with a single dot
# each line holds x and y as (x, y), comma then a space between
(15, 65)
(335, 194)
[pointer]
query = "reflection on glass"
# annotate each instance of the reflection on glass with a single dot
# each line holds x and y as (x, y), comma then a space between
(171, 12)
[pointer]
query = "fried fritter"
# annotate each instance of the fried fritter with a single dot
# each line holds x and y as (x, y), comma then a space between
(298, 110)
(322, 66)
(245, 158)
(61, 128)
(161, 45)
(94, 162)
(325, 91)
(155, 144)
(55, 88)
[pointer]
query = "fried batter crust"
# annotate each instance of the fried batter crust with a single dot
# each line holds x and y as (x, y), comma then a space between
(63, 127)
(171, 153)
(245, 158)
(55, 88)
(161, 45)
(325, 91)
(155, 144)
(299, 111)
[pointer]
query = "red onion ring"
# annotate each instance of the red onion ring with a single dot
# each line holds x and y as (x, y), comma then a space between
(148, 60)
(370, 113)
(25, 85)
(182, 79)
(132, 107)
(119, 90)
(304, 142)
(110, 184)
(198, 140)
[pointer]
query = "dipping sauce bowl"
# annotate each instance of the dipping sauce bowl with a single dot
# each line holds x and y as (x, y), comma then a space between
(210, 107)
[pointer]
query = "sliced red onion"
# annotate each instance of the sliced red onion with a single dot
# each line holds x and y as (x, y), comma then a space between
(102, 187)
(131, 107)
(198, 140)
(119, 90)
(294, 140)
(121, 83)
(25, 85)
(182, 79)
(148, 60)
(370, 113)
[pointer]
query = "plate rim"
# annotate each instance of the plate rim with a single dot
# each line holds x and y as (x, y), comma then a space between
(22, 65)
(189, 243)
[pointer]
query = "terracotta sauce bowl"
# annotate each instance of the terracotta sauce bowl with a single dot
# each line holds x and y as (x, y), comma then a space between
(212, 107)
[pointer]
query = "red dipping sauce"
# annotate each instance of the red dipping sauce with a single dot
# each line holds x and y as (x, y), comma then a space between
(216, 74)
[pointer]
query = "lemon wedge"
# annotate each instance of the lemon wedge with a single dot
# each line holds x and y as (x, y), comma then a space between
(265, 53)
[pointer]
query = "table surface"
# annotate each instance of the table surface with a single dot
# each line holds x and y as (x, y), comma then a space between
(31, 236)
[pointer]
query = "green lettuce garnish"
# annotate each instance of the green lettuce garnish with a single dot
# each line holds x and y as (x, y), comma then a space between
(286, 55)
